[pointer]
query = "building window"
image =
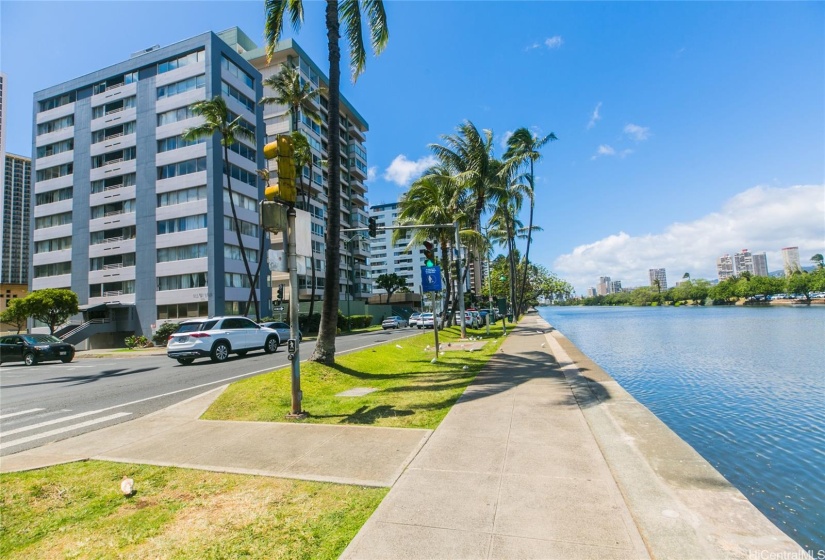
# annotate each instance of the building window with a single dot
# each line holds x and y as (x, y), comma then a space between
(56, 148)
(183, 310)
(175, 142)
(117, 156)
(182, 168)
(244, 151)
(247, 228)
(184, 195)
(113, 107)
(113, 209)
(109, 289)
(175, 115)
(248, 177)
(49, 245)
(243, 122)
(53, 221)
(241, 201)
(113, 132)
(181, 61)
(195, 82)
(182, 281)
(57, 101)
(112, 235)
(187, 223)
(112, 261)
(236, 71)
(53, 196)
(127, 180)
(55, 125)
(115, 82)
(182, 253)
(231, 91)
(234, 252)
(236, 280)
(54, 269)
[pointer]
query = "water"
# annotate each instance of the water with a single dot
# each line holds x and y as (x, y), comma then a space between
(744, 386)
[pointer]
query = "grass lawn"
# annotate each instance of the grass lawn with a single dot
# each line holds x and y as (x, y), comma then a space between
(77, 511)
(411, 391)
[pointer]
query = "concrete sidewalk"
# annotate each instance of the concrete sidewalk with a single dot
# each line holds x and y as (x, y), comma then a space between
(174, 436)
(546, 458)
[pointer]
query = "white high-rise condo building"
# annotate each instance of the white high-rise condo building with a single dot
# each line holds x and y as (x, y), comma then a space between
(760, 264)
(743, 262)
(354, 272)
(790, 260)
(658, 279)
(14, 215)
(724, 267)
(604, 285)
(387, 257)
(129, 215)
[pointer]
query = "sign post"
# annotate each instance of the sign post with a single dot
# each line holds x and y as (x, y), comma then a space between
(431, 282)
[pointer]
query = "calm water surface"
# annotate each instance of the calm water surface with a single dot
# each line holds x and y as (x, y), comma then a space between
(744, 386)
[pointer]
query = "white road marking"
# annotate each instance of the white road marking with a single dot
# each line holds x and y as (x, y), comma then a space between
(58, 431)
(50, 422)
(22, 412)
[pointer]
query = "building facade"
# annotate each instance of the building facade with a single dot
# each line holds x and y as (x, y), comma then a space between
(724, 267)
(790, 260)
(3, 91)
(604, 286)
(743, 262)
(14, 214)
(355, 277)
(399, 258)
(760, 264)
(658, 278)
(129, 215)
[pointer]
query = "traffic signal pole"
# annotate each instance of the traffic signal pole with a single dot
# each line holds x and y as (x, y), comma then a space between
(294, 326)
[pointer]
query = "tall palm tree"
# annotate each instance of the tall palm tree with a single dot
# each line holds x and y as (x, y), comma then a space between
(433, 198)
(348, 11)
(469, 155)
(523, 148)
(216, 121)
(297, 97)
(504, 224)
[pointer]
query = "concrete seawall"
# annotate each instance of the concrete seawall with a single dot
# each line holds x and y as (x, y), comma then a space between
(683, 507)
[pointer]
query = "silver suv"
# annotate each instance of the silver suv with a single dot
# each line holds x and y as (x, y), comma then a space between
(218, 337)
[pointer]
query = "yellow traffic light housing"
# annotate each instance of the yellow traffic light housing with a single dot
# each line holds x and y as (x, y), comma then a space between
(285, 189)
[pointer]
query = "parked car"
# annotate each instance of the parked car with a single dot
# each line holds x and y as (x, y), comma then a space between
(283, 331)
(34, 348)
(219, 337)
(414, 319)
(393, 322)
(470, 320)
(427, 320)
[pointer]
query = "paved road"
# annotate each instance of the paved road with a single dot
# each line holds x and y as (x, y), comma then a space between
(53, 401)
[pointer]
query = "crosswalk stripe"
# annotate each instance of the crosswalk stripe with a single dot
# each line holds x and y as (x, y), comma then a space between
(21, 413)
(27, 439)
(49, 423)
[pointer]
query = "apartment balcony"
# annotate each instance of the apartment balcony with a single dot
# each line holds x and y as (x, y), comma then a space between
(113, 93)
(357, 133)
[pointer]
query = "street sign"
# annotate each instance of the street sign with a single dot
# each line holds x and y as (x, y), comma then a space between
(431, 278)
(278, 308)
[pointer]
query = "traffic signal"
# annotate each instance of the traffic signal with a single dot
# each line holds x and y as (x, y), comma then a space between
(373, 227)
(429, 258)
(280, 293)
(285, 189)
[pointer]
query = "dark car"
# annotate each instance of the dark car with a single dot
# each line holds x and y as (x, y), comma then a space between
(283, 330)
(33, 348)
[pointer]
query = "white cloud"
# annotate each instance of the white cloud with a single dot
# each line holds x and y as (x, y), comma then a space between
(759, 219)
(372, 173)
(595, 117)
(402, 171)
(637, 132)
(554, 42)
(604, 150)
(504, 139)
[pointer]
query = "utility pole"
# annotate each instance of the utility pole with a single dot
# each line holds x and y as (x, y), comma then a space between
(460, 285)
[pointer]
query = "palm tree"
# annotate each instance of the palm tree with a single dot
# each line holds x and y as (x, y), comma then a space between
(216, 121)
(504, 223)
(350, 12)
(522, 148)
(818, 260)
(469, 156)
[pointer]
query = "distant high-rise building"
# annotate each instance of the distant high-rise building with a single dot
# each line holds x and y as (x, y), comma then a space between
(387, 257)
(603, 287)
(3, 87)
(724, 267)
(591, 292)
(14, 215)
(616, 287)
(658, 278)
(760, 264)
(790, 260)
(743, 262)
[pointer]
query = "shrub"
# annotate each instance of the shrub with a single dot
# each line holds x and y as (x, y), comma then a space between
(162, 333)
(136, 341)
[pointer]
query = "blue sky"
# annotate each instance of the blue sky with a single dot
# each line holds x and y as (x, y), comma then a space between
(686, 129)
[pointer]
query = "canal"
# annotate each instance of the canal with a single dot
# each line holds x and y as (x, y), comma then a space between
(744, 386)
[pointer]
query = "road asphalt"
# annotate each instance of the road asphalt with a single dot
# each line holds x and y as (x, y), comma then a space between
(544, 456)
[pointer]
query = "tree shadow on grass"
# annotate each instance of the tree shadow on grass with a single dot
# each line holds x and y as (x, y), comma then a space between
(368, 415)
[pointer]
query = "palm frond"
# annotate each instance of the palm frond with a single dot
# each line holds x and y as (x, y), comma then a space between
(377, 19)
(350, 11)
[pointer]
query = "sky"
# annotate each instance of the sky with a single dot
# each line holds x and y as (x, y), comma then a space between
(686, 130)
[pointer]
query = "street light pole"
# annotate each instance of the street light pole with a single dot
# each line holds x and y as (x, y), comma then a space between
(294, 325)
(460, 286)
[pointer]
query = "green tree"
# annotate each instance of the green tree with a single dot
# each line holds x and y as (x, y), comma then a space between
(801, 283)
(216, 121)
(289, 91)
(724, 292)
(350, 13)
(523, 148)
(52, 306)
(818, 260)
(391, 283)
(15, 314)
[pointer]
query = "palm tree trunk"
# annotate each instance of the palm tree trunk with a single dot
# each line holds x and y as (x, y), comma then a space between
(529, 240)
(325, 347)
(511, 257)
(238, 234)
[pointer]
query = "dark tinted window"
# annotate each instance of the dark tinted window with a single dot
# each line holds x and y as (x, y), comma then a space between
(41, 339)
(195, 327)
